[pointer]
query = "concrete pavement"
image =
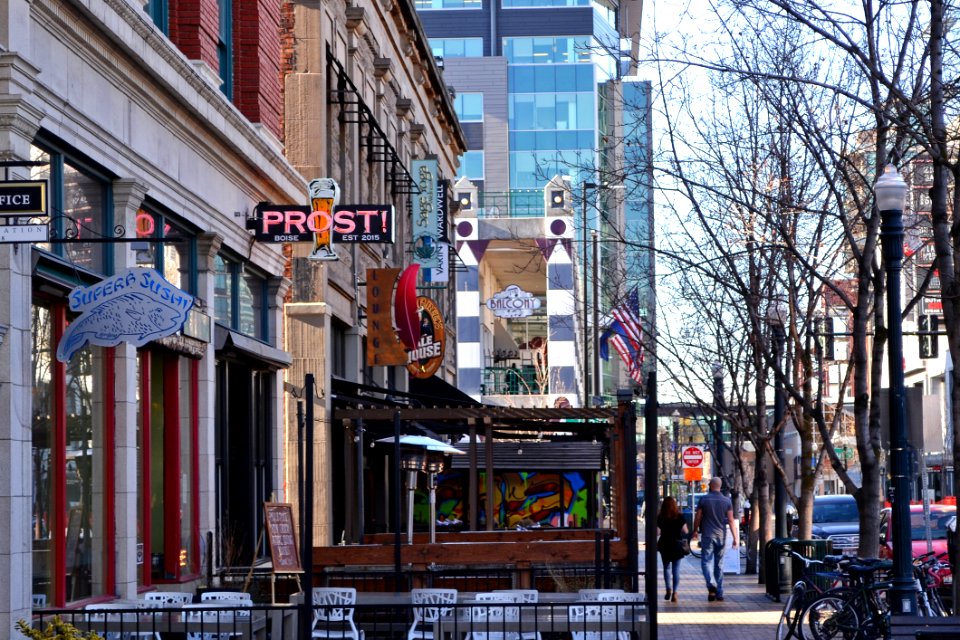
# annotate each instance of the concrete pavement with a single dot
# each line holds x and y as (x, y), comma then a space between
(745, 614)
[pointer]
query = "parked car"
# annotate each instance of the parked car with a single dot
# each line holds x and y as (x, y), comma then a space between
(940, 517)
(837, 518)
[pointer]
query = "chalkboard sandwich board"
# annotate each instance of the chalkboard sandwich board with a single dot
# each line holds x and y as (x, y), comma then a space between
(282, 537)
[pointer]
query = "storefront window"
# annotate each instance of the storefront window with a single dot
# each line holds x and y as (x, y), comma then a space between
(223, 291)
(166, 487)
(69, 476)
(42, 453)
(252, 294)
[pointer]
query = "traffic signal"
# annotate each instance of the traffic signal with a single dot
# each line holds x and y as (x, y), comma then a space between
(927, 331)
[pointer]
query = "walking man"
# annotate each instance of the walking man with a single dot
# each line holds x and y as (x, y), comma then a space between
(714, 513)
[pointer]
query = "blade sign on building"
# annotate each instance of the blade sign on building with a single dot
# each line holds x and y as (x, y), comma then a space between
(385, 348)
(426, 242)
(23, 198)
(324, 196)
(135, 306)
(441, 272)
(428, 356)
(513, 302)
(373, 223)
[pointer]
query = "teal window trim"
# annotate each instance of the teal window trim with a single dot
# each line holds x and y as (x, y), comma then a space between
(225, 47)
(159, 11)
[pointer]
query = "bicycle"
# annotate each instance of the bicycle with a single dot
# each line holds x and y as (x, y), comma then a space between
(810, 586)
(857, 612)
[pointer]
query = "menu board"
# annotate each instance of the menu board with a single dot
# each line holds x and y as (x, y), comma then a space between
(282, 537)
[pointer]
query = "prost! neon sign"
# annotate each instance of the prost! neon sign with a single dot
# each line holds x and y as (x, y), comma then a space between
(350, 223)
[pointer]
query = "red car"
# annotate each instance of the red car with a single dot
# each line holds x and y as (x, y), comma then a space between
(940, 517)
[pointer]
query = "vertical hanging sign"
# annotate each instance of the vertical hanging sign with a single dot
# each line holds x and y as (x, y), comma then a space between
(426, 243)
(441, 272)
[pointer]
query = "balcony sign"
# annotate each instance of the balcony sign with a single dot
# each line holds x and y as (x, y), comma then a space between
(361, 223)
(513, 302)
(134, 306)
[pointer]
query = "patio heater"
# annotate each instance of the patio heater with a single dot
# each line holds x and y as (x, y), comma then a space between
(412, 460)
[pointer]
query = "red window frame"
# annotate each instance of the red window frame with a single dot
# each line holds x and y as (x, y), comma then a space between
(59, 424)
(172, 466)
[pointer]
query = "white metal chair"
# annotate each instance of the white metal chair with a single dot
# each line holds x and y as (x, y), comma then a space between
(333, 609)
(104, 612)
(528, 596)
(625, 611)
(590, 595)
(217, 623)
(161, 599)
(427, 610)
(221, 596)
(39, 600)
(490, 616)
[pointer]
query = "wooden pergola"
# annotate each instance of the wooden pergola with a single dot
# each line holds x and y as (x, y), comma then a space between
(615, 427)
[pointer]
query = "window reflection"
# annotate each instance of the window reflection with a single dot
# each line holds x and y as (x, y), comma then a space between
(223, 291)
(83, 210)
(42, 452)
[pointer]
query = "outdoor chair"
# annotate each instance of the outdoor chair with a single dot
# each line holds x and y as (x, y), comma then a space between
(216, 623)
(624, 613)
(161, 599)
(107, 612)
(39, 600)
(426, 611)
(333, 609)
(583, 613)
(528, 596)
(488, 617)
(220, 596)
(590, 595)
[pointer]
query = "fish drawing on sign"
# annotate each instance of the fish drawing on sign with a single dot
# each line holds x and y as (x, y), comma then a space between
(136, 307)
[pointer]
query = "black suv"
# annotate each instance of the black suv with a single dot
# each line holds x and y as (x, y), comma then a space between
(837, 518)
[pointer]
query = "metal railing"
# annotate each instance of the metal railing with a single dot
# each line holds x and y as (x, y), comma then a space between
(389, 620)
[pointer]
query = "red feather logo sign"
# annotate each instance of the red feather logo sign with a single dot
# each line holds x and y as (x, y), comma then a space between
(405, 313)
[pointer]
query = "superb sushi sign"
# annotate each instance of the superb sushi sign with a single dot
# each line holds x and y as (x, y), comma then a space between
(136, 306)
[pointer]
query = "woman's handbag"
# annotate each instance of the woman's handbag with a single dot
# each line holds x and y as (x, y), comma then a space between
(685, 546)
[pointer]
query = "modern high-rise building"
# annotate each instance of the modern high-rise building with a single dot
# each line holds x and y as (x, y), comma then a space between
(555, 211)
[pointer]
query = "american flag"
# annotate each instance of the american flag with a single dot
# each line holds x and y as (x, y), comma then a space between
(625, 335)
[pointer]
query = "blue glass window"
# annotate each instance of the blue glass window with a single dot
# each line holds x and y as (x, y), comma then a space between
(471, 166)
(469, 107)
(457, 47)
(507, 4)
(448, 4)
(547, 50)
(225, 47)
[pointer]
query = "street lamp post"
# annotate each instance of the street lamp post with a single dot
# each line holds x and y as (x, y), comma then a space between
(776, 315)
(595, 336)
(718, 418)
(890, 191)
(586, 307)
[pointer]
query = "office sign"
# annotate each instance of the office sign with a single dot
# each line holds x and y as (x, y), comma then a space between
(513, 302)
(23, 198)
(427, 357)
(298, 223)
(135, 306)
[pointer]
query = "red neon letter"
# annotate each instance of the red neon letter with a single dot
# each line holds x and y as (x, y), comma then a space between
(344, 221)
(271, 218)
(294, 219)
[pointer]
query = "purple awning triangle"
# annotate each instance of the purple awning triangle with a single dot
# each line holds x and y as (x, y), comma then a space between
(546, 246)
(478, 247)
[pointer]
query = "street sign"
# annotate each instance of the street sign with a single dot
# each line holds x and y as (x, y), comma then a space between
(692, 457)
(692, 474)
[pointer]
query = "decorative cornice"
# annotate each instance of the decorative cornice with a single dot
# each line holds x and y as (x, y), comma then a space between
(355, 20)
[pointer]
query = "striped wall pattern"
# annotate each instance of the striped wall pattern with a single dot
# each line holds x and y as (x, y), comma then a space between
(561, 317)
(469, 352)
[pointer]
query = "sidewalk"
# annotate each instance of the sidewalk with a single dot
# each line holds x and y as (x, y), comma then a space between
(745, 614)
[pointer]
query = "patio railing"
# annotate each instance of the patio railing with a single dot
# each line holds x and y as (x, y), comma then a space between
(389, 618)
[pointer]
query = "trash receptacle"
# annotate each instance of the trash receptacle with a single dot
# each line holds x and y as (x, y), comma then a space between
(814, 550)
(777, 570)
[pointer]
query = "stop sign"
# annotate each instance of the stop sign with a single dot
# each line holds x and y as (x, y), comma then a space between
(692, 457)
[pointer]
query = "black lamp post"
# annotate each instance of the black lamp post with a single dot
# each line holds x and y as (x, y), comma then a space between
(776, 318)
(718, 418)
(676, 441)
(890, 191)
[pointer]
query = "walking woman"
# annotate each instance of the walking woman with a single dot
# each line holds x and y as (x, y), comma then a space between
(672, 530)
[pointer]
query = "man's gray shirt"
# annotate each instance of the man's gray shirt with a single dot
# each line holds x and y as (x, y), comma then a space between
(713, 509)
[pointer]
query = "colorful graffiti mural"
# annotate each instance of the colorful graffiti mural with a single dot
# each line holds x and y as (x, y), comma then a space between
(521, 498)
